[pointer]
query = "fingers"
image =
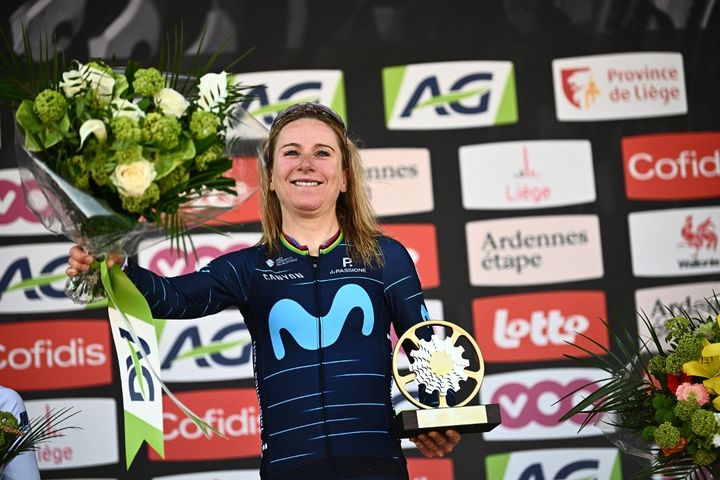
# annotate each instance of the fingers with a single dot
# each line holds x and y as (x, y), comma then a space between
(79, 261)
(436, 444)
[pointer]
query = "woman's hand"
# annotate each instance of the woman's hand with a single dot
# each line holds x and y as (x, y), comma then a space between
(436, 444)
(79, 261)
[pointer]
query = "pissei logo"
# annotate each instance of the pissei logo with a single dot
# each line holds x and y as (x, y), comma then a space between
(447, 95)
(278, 90)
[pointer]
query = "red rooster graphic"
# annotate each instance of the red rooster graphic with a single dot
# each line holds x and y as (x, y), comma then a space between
(704, 234)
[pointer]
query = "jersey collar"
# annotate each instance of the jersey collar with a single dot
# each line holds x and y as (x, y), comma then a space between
(326, 247)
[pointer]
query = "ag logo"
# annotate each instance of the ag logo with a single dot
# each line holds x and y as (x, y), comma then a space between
(449, 95)
(556, 464)
(285, 88)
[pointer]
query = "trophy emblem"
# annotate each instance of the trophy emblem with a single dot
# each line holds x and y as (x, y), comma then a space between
(447, 366)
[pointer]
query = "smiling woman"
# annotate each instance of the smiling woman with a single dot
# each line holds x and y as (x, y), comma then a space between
(318, 294)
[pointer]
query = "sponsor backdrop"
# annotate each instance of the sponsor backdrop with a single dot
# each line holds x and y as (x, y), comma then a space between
(548, 165)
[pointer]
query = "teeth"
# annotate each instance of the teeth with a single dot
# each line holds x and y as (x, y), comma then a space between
(302, 183)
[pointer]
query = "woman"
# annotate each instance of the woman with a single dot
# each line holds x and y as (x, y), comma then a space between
(317, 294)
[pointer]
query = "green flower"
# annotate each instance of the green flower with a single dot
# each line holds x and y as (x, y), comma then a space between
(666, 435)
(689, 348)
(177, 177)
(676, 327)
(656, 365)
(80, 172)
(705, 457)
(126, 130)
(684, 409)
(50, 106)
(148, 81)
(7, 419)
(203, 124)
(129, 155)
(141, 202)
(703, 423)
(101, 168)
(212, 153)
(161, 130)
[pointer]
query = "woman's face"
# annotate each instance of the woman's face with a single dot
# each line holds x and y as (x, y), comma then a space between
(307, 173)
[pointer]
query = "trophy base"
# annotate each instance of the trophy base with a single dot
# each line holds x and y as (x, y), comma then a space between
(468, 419)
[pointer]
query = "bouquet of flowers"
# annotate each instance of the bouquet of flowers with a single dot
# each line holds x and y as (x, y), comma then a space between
(110, 156)
(661, 400)
(16, 439)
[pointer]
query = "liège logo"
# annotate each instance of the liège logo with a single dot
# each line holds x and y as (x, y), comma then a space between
(627, 85)
(51, 355)
(232, 412)
(675, 166)
(538, 326)
(528, 174)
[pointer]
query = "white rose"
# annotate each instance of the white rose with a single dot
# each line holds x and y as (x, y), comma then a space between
(72, 83)
(212, 91)
(171, 102)
(100, 81)
(132, 179)
(125, 108)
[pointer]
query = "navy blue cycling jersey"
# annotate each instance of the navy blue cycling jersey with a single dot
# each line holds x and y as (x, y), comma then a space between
(321, 345)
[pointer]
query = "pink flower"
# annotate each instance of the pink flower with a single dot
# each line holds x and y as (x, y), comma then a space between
(687, 390)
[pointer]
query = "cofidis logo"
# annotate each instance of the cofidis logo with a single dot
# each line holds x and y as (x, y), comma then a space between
(399, 179)
(55, 354)
(420, 240)
(15, 217)
(23, 262)
(628, 85)
(284, 88)
(93, 443)
(675, 242)
(446, 95)
(212, 348)
(539, 326)
(534, 250)
(164, 260)
(556, 464)
(531, 402)
(675, 166)
(528, 174)
(232, 412)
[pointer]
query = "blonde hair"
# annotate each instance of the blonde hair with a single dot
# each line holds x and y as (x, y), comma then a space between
(353, 210)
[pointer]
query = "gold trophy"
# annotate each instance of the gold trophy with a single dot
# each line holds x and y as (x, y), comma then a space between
(440, 366)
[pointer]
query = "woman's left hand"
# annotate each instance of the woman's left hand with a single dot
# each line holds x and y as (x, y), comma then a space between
(436, 444)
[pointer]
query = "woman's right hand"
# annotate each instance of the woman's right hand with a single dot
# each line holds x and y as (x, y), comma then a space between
(79, 261)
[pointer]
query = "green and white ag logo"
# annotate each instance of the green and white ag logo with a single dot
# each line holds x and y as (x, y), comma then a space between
(447, 95)
(284, 88)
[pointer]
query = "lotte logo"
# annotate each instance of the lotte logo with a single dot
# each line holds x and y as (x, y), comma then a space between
(579, 87)
(703, 235)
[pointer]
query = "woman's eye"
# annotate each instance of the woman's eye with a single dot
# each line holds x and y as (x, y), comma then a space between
(322, 153)
(291, 153)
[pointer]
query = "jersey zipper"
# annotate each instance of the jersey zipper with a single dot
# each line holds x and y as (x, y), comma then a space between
(321, 369)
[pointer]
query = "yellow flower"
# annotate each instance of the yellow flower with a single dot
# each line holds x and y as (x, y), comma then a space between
(707, 367)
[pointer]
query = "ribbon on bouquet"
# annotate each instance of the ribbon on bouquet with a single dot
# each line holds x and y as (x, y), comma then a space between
(136, 346)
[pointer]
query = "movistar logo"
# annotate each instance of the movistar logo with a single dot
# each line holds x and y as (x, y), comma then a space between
(449, 95)
(290, 316)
